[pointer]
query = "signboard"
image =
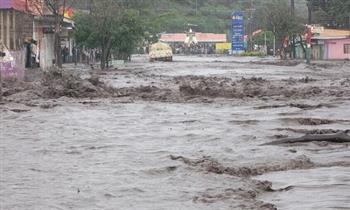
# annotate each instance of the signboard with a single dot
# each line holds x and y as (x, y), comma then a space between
(237, 32)
(222, 48)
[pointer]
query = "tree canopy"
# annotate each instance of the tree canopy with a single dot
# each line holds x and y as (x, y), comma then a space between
(209, 15)
(331, 13)
(111, 26)
(277, 17)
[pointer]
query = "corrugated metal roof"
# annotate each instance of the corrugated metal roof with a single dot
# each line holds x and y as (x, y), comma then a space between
(330, 37)
(331, 34)
(201, 37)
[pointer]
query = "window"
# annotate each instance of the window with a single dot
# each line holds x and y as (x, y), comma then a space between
(347, 48)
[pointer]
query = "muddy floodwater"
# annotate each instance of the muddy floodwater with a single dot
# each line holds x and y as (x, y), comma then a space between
(182, 135)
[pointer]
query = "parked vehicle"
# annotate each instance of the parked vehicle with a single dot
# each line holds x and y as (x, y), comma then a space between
(160, 52)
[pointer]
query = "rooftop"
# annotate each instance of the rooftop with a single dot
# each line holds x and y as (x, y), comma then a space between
(322, 33)
(33, 7)
(201, 37)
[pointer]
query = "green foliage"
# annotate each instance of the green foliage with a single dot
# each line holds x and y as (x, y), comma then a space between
(252, 54)
(334, 13)
(209, 15)
(128, 34)
(260, 38)
(84, 33)
(173, 16)
(278, 19)
(111, 26)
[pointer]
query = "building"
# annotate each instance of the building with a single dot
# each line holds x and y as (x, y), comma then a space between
(16, 27)
(27, 32)
(328, 44)
(202, 43)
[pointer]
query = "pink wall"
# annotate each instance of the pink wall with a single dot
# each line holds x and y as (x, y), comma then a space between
(13, 65)
(336, 49)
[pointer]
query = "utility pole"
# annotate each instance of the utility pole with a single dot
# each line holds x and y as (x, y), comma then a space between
(2, 55)
(196, 7)
(274, 41)
(309, 9)
(27, 7)
(90, 6)
(251, 25)
(265, 42)
(292, 6)
(0, 78)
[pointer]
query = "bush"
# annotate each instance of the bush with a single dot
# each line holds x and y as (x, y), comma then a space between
(253, 53)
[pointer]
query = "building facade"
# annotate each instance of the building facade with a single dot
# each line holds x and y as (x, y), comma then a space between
(15, 28)
(327, 44)
(27, 33)
(193, 42)
(337, 49)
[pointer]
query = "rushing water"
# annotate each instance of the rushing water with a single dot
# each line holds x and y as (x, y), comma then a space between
(326, 188)
(116, 156)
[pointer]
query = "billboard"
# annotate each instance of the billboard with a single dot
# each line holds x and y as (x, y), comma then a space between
(237, 32)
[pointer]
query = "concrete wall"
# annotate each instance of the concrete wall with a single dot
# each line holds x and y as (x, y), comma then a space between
(7, 28)
(317, 52)
(47, 46)
(17, 27)
(335, 49)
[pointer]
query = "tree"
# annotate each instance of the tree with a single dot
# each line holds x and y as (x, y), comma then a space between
(331, 13)
(112, 26)
(56, 9)
(128, 35)
(278, 19)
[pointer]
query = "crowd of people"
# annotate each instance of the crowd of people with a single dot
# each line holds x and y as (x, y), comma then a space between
(199, 48)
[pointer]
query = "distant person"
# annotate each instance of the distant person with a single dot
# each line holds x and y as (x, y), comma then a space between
(65, 53)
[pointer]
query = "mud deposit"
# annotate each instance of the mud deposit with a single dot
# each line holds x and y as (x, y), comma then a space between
(180, 135)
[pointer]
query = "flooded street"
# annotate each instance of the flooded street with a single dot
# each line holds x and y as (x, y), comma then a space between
(182, 135)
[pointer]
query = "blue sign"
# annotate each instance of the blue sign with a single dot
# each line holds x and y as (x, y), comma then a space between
(237, 32)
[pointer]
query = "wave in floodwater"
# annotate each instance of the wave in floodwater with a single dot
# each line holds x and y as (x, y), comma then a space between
(322, 188)
(117, 156)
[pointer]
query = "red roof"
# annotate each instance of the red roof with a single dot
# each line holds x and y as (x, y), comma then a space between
(10, 4)
(201, 37)
(173, 37)
(30, 6)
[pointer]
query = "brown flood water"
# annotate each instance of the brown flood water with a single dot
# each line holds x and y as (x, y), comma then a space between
(115, 153)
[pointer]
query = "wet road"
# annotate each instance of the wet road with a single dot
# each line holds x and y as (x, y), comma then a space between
(112, 155)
